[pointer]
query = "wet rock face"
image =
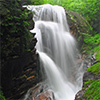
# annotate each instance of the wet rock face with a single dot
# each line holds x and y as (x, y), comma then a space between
(87, 76)
(20, 74)
(80, 94)
(39, 92)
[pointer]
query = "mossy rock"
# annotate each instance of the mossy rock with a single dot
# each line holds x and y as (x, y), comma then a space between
(97, 49)
(93, 92)
(95, 69)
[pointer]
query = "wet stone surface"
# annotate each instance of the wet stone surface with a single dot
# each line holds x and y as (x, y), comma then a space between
(39, 92)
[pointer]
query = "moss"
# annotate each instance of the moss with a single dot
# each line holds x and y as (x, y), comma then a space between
(97, 49)
(23, 76)
(98, 56)
(93, 86)
(93, 92)
(94, 68)
(87, 83)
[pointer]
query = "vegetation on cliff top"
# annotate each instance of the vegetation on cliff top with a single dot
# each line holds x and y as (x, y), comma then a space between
(15, 35)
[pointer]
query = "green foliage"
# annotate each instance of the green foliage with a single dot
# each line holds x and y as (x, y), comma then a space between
(15, 35)
(84, 7)
(93, 92)
(89, 9)
(97, 50)
(91, 43)
(87, 83)
(1, 95)
(36, 2)
(94, 68)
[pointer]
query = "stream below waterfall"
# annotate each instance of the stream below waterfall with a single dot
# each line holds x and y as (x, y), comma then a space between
(57, 51)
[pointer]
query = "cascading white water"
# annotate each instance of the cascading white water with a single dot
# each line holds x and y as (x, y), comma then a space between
(57, 50)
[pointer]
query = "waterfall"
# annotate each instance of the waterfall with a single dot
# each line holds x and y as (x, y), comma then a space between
(57, 51)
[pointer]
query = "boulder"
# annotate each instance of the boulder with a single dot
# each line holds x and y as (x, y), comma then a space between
(39, 92)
